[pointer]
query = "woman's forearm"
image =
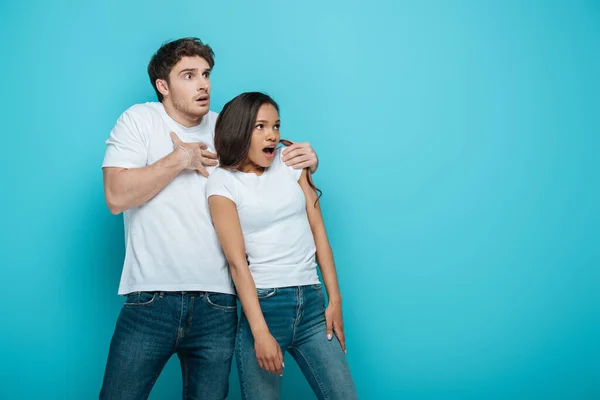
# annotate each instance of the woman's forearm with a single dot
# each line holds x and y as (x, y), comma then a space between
(246, 291)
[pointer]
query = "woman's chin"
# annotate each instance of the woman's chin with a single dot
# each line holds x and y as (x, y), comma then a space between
(265, 162)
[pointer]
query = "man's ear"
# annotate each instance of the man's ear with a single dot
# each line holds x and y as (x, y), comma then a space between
(162, 86)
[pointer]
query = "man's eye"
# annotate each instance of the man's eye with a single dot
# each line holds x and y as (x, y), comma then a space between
(187, 76)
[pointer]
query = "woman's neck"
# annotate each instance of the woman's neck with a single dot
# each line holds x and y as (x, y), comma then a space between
(251, 168)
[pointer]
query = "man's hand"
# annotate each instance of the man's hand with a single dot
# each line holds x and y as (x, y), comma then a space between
(196, 153)
(301, 155)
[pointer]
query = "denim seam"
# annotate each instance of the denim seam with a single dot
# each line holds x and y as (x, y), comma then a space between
(191, 314)
(268, 295)
(186, 376)
(218, 306)
(148, 303)
(310, 366)
(298, 316)
(241, 366)
(179, 331)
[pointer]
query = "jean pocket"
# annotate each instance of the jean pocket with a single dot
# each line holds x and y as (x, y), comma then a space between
(266, 293)
(222, 301)
(316, 286)
(140, 299)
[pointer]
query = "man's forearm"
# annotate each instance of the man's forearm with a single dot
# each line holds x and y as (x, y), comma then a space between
(129, 188)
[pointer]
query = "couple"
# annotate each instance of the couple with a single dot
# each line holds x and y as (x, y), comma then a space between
(190, 228)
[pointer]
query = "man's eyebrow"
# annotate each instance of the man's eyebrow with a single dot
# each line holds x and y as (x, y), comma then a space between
(187, 70)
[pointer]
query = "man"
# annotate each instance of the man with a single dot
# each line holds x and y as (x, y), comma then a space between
(180, 299)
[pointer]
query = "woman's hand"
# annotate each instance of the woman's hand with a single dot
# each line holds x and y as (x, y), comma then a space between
(268, 353)
(335, 322)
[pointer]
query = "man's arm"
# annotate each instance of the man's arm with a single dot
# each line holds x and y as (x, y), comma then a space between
(126, 188)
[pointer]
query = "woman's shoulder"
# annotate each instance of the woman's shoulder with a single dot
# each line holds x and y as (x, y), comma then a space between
(220, 174)
(280, 165)
(277, 160)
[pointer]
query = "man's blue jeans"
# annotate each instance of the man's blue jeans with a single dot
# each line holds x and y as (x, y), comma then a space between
(199, 327)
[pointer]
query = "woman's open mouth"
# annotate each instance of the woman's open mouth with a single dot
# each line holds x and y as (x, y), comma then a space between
(269, 151)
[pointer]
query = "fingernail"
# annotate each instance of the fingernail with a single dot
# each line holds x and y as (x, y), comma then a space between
(283, 364)
(345, 351)
(329, 336)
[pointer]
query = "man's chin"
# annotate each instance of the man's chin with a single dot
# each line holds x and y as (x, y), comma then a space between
(199, 111)
(203, 109)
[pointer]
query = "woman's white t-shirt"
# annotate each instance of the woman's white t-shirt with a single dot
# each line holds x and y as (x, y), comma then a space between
(272, 210)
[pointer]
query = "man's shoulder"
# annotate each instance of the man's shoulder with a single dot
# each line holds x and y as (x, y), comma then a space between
(143, 118)
(144, 110)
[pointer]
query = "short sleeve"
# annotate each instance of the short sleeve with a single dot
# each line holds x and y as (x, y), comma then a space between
(220, 184)
(292, 172)
(127, 145)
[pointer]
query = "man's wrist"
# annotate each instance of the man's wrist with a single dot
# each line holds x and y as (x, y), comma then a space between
(182, 157)
(313, 169)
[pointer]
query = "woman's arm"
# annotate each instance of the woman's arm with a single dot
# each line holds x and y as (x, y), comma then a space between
(227, 224)
(333, 314)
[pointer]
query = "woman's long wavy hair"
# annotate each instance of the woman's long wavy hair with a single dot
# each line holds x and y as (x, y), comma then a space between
(234, 127)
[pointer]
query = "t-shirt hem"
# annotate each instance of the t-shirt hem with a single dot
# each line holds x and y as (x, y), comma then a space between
(120, 164)
(176, 288)
(284, 284)
(222, 194)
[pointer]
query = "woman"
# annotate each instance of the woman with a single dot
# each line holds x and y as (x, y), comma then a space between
(269, 223)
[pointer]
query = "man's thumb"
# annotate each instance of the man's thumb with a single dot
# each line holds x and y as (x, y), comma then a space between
(175, 139)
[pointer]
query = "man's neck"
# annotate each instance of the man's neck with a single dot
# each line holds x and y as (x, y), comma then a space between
(181, 118)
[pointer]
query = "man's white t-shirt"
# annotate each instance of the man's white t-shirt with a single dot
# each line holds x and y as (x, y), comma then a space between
(272, 210)
(170, 242)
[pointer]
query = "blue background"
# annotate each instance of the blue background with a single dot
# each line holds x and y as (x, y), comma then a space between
(459, 147)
